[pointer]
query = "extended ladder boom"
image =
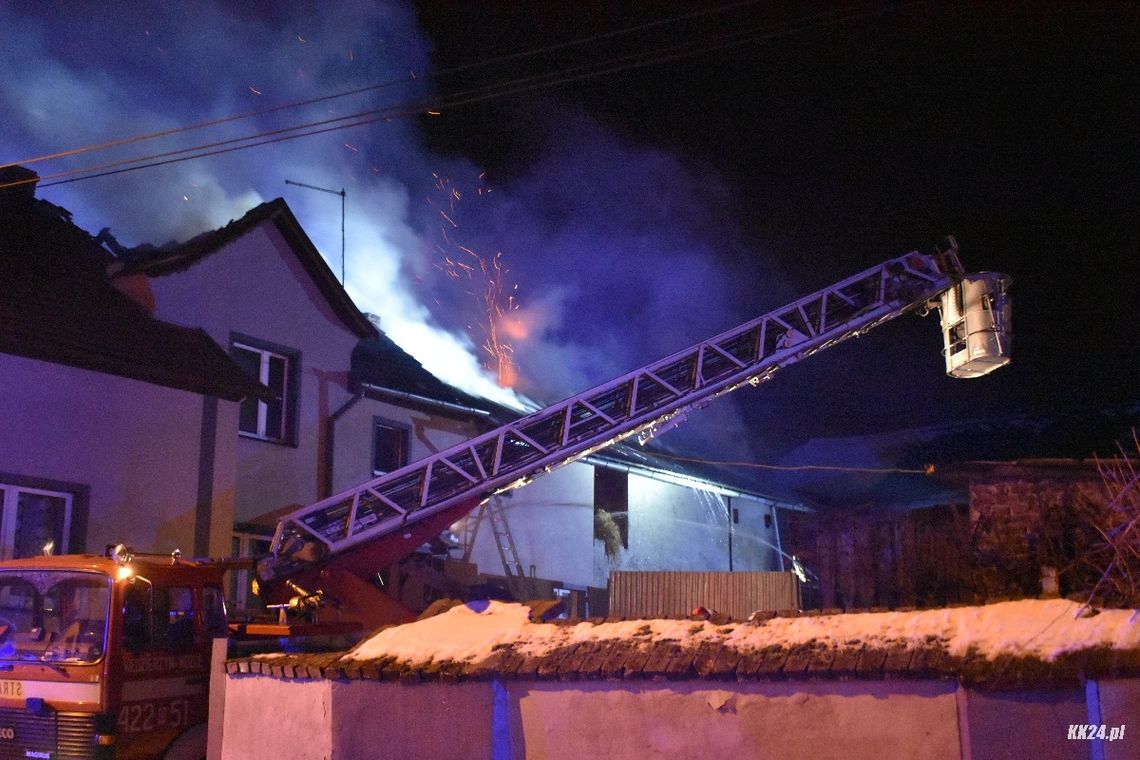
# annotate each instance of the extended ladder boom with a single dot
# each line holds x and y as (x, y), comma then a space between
(645, 401)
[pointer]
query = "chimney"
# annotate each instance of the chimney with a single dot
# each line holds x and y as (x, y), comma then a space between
(17, 186)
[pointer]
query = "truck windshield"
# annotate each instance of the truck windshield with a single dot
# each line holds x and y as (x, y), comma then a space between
(53, 615)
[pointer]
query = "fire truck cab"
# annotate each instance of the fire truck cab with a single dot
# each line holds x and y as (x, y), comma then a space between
(107, 656)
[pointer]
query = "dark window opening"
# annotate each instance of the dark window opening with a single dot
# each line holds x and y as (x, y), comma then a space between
(611, 507)
(389, 447)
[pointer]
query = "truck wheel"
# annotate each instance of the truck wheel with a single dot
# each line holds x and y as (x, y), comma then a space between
(190, 745)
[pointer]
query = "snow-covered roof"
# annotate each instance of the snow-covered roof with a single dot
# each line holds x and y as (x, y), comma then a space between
(1052, 641)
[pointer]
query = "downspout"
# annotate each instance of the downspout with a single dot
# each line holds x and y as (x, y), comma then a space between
(728, 504)
(330, 440)
(776, 527)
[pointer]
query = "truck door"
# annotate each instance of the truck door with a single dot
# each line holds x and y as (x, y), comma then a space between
(166, 661)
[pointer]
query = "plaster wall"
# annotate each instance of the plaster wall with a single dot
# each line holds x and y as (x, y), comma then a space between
(552, 523)
(131, 446)
(517, 720)
(352, 447)
(267, 718)
(816, 720)
(1120, 705)
(671, 527)
(1000, 724)
(619, 720)
(257, 287)
(420, 722)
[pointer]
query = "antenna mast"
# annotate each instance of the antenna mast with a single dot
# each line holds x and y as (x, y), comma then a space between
(342, 195)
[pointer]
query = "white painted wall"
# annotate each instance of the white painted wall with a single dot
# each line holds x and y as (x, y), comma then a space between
(352, 437)
(134, 445)
(257, 287)
(266, 718)
(552, 523)
(671, 527)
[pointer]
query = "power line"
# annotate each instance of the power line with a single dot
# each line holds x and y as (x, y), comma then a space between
(507, 88)
(379, 86)
(926, 470)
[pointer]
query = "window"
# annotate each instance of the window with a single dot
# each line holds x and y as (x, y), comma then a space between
(34, 521)
(155, 617)
(611, 508)
(276, 368)
(172, 619)
(389, 446)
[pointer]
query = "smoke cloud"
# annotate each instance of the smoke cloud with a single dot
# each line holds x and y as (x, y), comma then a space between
(614, 252)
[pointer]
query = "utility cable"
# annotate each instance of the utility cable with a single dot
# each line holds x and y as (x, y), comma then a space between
(926, 470)
(487, 92)
(509, 57)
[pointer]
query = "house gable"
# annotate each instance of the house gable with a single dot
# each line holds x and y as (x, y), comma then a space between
(159, 262)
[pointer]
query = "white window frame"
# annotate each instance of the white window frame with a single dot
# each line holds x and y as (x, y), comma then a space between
(9, 503)
(262, 407)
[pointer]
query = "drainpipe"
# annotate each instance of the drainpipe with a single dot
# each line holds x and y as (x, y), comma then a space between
(728, 504)
(776, 526)
(330, 440)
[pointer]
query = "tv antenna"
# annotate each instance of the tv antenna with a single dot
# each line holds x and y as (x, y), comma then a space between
(342, 195)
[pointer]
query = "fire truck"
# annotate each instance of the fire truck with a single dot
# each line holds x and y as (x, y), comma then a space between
(109, 656)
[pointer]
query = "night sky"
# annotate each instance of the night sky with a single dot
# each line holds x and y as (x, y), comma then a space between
(645, 208)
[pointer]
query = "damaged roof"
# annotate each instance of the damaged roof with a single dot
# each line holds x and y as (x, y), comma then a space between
(176, 257)
(384, 370)
(60, 307)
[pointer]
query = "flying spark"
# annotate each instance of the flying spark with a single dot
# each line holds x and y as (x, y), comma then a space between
(488, 276)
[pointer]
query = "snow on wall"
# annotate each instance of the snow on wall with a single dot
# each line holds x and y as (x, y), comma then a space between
(1041, 628)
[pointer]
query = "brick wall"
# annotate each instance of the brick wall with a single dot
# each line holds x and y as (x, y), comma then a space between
(1018, 519)
(1020, 524)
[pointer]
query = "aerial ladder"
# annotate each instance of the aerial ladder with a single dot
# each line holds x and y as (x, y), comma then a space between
(339, 543)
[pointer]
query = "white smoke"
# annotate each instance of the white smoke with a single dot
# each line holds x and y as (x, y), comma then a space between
(617, 247)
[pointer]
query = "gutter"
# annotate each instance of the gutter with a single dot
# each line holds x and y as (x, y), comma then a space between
(688, 481)
(367, 388)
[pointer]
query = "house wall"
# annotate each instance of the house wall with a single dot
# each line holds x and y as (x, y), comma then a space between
(352, 437)
(256, 286)
(671, 527)
(133, 447)
(677, 528)
(552, 523)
